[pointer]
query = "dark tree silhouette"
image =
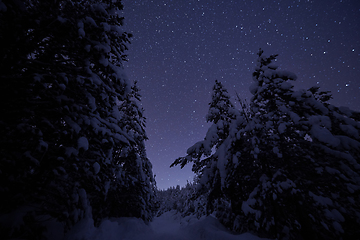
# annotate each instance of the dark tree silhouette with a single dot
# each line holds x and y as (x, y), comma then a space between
(62, 130)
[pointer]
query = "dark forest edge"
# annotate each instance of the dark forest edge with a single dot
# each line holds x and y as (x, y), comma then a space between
(284, 166)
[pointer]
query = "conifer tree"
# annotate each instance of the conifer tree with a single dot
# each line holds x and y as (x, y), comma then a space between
(137, 190)
(62, 129)
(299, 167)
(221, 113)
(220, 104)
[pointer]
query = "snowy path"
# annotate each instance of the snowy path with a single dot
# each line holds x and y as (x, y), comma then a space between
(168, 226)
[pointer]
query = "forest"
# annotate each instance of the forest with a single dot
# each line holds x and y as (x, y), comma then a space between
(284, 165)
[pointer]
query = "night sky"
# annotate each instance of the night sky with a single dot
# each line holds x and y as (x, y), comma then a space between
(180, 47)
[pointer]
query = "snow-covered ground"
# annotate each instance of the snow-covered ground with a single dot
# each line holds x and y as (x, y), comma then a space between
(168, 226)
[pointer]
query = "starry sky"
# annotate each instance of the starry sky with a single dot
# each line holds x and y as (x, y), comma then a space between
(180, 47)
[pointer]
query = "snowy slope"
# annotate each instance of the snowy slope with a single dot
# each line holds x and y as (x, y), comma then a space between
(168, 226)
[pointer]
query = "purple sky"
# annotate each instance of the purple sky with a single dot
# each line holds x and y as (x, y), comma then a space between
(180, 47)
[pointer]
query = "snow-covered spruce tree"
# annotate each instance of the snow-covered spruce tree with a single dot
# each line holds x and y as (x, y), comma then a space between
(134, 194)
(220, 105)
(221, 112)
(204, 154)
(61, 124)
(298, 171)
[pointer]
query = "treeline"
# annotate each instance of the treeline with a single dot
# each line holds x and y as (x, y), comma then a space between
(183, 200)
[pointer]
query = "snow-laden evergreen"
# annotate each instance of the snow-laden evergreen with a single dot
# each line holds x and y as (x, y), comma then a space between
(221, 114)
(288, 168)
(64, 129)
(135, 196)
